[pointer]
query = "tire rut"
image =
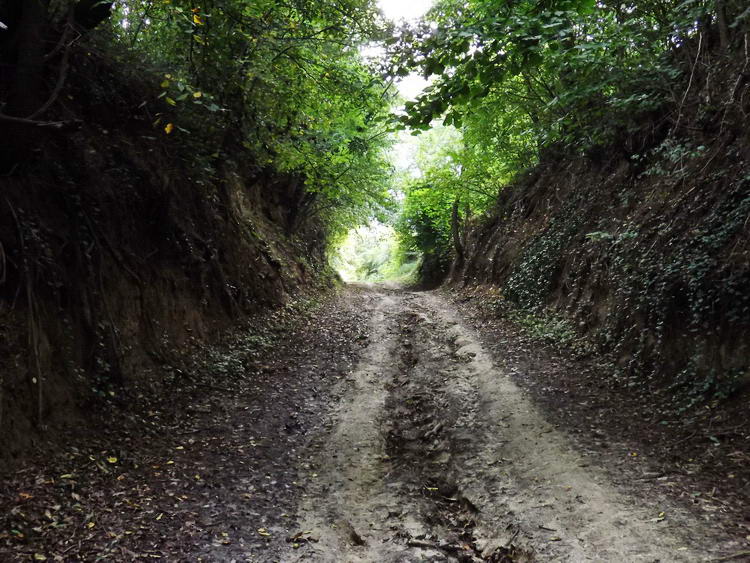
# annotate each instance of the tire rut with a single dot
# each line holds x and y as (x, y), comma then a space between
(435, 455)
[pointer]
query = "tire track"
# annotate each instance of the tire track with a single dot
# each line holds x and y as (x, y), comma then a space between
(436, 455)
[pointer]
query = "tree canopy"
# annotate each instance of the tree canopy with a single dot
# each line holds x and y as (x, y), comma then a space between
(519, 80)
(286, 80)
(283, 81)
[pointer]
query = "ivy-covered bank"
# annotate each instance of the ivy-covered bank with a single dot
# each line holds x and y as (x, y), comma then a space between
(649, 265)
(615, 134)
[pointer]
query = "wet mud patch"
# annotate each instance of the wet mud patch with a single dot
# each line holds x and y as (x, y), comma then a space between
(421, 441)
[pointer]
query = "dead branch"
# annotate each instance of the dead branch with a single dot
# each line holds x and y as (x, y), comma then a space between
(62, 76)
(58, 125)
(690, 82)
(738, 555)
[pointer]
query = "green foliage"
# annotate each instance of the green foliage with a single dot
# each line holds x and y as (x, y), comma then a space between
(283, 80)
(373, 254)
(538, 269)
(522, 76)
(447, 172)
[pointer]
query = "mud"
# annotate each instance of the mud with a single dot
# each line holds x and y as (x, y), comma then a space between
(378, 429)
(436, 455)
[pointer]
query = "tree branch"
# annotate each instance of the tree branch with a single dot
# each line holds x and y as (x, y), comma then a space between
(34, 123)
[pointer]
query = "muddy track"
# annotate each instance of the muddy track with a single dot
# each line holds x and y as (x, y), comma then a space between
(435, 455)
(378, 430)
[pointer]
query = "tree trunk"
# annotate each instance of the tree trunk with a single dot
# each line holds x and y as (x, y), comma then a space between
(721, 19)
(26, 88)
(458, 244)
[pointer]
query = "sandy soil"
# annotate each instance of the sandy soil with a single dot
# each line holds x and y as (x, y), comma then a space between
(436, 455)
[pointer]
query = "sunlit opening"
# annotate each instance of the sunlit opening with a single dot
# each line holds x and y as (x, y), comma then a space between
(371, 254)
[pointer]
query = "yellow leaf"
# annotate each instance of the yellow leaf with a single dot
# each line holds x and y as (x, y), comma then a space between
(170, 101)
(39, 557)
(112, 459)
(165, 84)
(160, 516)
(197, 20)
(169, 128)
(263, 532)
(197, 94)
(90, 524)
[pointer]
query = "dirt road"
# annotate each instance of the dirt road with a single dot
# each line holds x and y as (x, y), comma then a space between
(382, 431)
(436, 455)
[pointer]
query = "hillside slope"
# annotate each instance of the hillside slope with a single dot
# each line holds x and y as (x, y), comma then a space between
(642, 247)
(123, 246)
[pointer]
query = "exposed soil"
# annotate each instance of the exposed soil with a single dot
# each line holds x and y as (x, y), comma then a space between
(700, 458)
(377, 429)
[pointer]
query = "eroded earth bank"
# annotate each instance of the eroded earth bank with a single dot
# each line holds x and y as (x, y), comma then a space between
(381, 429)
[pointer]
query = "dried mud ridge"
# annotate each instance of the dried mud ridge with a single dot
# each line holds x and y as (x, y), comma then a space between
(436, 455)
